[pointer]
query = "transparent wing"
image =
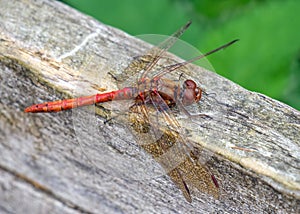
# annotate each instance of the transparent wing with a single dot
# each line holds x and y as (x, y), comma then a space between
(148, 61)
(176, 66)
(158, 143)
(161, 136)
(198, 176)
(186, 169)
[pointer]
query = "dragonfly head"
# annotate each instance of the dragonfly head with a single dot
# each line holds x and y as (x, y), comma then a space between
(191, 93)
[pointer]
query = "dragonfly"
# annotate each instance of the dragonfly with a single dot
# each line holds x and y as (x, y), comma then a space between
(151, 117)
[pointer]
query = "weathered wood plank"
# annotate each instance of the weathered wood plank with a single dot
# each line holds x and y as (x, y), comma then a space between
(39, 154)
(18, 196)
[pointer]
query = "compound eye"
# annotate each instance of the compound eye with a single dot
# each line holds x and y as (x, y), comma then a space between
(191, 93)
(198, 92)
(190, 84)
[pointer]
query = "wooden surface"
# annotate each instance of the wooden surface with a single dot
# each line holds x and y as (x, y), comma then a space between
(43, 168)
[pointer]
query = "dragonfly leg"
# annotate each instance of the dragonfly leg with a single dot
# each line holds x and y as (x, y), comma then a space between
(187, 113)
(112, 76)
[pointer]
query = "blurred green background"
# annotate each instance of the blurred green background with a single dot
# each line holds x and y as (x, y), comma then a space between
(267, 57)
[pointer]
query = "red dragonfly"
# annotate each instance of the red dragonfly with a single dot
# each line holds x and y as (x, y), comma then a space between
(150, 116)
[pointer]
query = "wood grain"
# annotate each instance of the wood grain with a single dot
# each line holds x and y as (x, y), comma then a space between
(43, 169)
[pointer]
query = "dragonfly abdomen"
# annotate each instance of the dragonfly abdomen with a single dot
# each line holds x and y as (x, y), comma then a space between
(60, 105)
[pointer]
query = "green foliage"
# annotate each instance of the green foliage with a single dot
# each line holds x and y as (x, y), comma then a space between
(266, 59)
(269, 41)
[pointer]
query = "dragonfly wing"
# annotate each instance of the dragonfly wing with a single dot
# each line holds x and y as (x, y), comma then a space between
(180, 183)
(155, 143)
(176, 66)
(198, 176)
(147, 61)
(159, 50)
(189, 170)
